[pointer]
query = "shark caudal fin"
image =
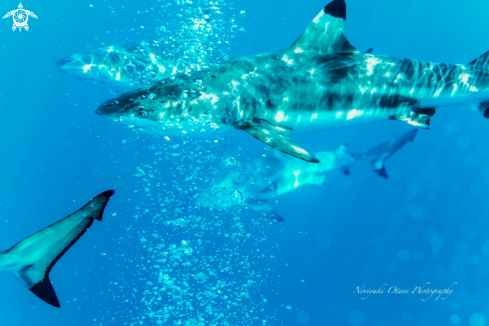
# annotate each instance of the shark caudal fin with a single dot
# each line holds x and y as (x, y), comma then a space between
(32, 259)
(326, 33)
(378, 155)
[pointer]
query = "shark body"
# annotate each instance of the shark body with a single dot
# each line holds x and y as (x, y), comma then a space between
(256, 185)
(32, 259)
(122, 67)
(200, 44)
(125, 67)
(320, 82)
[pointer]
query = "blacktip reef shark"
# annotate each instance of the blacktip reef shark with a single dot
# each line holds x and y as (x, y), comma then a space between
(320, 82)
(129, 66)
(259, 183)
(120, 67)
(32, 259)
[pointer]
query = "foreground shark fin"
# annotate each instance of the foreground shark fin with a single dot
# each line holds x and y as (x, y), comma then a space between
(378, 155)
(32, 259)
(44, 290)
(326, 33)
(277, 137)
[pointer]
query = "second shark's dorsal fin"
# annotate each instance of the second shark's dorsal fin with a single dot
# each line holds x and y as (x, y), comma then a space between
(326, 33)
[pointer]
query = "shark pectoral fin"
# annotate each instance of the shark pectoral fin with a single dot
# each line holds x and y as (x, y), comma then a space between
(35, 256)
(326, 33)
(277, 137)
(416, 117)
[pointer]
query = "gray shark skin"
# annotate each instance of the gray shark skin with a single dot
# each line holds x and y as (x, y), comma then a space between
(281, 174)
(125, 67)
(320, 82)
(32, 259)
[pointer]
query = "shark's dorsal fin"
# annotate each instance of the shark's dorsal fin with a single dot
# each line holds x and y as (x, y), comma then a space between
(32, 259)
(277, 137)
(326, 33)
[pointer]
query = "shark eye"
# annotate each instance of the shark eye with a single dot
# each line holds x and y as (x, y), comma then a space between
(142, 114)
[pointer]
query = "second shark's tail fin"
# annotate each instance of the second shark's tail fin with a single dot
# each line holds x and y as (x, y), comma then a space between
(378, 155)
(32, 259)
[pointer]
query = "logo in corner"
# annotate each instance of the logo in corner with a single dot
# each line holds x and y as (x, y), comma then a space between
(20, 17)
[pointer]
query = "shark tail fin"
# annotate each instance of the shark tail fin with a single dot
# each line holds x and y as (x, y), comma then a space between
(44, 290)
(378, 155)
(326, 33)
(35, 256)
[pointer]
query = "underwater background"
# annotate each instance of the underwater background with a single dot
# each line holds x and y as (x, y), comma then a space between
(159, 259)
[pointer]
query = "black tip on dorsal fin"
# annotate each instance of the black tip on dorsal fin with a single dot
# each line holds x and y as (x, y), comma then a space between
(336, 8)
(44, 290)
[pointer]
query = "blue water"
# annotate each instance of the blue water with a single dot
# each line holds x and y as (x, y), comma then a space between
(426, 223)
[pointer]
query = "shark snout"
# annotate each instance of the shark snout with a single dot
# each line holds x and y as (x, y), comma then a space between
(105, 109)
(111, 108)
(99, 111)
(60, 64)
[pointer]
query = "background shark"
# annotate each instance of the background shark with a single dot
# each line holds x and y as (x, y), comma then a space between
(202, 35)
(320, 82)
(125, 67)
(281, 174)
(32, 259)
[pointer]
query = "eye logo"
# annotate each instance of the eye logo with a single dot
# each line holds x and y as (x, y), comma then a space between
(20, 17)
